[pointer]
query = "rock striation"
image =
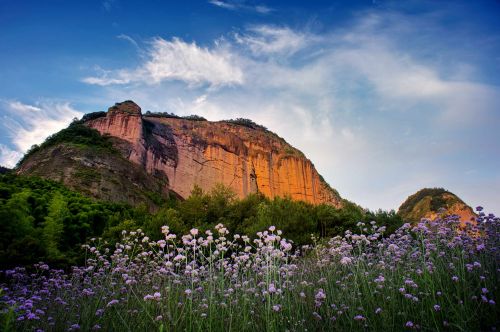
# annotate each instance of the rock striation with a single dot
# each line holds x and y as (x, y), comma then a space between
(189, 152)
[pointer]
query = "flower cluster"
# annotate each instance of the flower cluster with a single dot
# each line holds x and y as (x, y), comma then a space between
(419, 277)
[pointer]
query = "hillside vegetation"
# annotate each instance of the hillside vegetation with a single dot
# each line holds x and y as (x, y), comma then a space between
(52, 221)
(429, 202)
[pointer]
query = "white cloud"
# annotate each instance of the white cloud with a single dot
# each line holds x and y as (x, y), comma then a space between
(18, 106)
(266, 39)
(27, 129)
(223, 4)
(378, 119)
(178, 60)
(8, 157)
(241, 5)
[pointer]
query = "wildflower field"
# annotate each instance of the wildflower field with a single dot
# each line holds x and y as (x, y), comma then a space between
(432, 276)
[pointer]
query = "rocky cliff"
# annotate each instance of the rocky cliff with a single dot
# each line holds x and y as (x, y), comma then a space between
(190, 151)
(431, 202)
(193, 152)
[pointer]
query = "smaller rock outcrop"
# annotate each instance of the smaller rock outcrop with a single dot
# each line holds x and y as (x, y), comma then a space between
(123, 120)
(431, 203)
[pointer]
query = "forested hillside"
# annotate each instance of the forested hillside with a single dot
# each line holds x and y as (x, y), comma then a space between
(43, 220)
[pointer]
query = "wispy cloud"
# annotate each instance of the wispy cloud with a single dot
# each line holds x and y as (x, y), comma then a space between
(268, 40)
(18, 106)
(363, 102)
(31, 124)
(178, 60)
(128, 39)
(9, 157)
(241, 5)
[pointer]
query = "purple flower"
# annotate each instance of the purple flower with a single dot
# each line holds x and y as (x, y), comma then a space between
(437, 307)
(272, 289)
(31, 316)
(359, 318)
(409, 324)
(320, 295)
(112, 302)
(378, 310)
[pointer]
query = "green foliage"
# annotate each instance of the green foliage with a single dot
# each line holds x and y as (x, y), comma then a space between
(436, 200)
(32, 211)
(165, 216)
(390, 219)
(194, 117)
(174, 116)
(245, 123)
(409, 204)
(54, 225)
(92, 116)
(7, 318)
(43, 220)
(76, 133)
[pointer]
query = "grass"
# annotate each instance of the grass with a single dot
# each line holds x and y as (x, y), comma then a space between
(433, 276)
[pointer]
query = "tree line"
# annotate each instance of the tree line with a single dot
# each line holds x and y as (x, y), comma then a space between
(43, 220)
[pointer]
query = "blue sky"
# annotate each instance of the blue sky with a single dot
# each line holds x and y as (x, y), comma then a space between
(385, 97)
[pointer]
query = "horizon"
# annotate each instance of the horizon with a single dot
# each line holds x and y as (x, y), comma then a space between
(384, 97)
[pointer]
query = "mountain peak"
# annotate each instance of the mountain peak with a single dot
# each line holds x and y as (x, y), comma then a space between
(430, 203)
(128, 106)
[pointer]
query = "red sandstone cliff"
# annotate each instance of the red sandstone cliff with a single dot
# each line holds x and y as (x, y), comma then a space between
(204, 153)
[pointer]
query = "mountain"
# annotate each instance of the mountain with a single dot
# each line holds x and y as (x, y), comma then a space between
(429, 202)
(123, 155)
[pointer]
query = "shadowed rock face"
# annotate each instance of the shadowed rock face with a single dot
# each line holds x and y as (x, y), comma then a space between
(430, 203)
(96, 173)
(204, 153)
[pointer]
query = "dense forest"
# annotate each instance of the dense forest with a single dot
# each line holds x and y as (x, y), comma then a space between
(43, 220)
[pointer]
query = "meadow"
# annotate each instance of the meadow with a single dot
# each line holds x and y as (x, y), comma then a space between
(431, 276)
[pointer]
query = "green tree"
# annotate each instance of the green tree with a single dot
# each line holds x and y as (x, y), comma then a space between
(193, 210)
(219, 203)
(16, 220)
(54, 225)
(165, 217)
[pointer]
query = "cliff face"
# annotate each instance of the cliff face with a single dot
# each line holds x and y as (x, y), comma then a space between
(203, 153)
(431, 202)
